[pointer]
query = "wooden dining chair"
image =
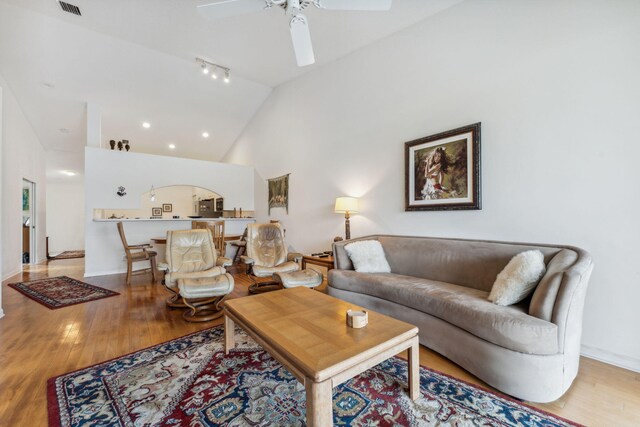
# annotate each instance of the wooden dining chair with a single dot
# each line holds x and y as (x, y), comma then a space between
(136, 253)
(217, 231)
(240, 245)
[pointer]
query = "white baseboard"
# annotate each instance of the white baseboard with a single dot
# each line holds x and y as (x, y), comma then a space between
(13, 273)
(104, 273)
(605, 356)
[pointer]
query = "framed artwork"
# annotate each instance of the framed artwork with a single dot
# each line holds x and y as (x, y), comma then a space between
(279, 192)
(156, 211)
(167, 207)
(442, 171)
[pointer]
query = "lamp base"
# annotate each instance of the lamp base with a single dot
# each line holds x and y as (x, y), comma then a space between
(347, 226)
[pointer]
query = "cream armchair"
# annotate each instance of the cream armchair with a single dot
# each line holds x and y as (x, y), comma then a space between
(195, 275)
(266, 255)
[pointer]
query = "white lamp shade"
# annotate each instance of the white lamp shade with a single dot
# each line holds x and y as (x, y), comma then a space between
(346, 204)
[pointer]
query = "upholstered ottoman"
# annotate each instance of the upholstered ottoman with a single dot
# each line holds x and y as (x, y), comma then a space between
(203, 296)
(308, 278)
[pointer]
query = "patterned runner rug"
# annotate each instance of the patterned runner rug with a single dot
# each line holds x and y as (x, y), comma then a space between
(62, 291)
(68, 255)
(189, 381)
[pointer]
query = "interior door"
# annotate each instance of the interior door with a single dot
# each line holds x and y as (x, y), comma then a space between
(28, 222)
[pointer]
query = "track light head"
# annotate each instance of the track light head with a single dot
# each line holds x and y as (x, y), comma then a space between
(205, 69)
(214, 73)
(226, 76)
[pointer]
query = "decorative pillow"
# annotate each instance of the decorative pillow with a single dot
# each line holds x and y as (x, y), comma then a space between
(518, 279)
(367, 256)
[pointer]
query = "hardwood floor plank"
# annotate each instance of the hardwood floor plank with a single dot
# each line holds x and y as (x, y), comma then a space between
(37, 343)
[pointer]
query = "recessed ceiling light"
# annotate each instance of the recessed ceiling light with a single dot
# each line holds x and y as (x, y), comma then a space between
(69, 173)
(205, 134)
(146, 125)
(172, 146)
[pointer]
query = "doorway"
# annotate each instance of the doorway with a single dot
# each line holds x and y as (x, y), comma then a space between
(28, 222)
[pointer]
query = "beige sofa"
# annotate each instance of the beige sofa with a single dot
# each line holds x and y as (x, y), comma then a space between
(530, 350)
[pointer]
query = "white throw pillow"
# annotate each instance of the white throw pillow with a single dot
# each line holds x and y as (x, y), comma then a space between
(518, 278)
(367, 256)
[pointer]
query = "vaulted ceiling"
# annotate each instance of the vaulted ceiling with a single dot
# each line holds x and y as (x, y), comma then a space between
(136, 61)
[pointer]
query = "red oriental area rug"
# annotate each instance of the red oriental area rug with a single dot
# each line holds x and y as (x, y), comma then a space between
(189, 381)
(62, 291)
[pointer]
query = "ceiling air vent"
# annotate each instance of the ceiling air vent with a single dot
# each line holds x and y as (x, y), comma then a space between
(71, 8)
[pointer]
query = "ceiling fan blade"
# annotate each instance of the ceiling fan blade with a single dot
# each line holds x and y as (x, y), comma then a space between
(301, 38)
(220, 9)
(355, 4)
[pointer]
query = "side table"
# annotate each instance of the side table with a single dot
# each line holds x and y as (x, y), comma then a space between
(326, 262)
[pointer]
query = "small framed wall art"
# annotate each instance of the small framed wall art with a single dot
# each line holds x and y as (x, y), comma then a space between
(167, 207)
(279, 193)
(156, 211)
(442, 171)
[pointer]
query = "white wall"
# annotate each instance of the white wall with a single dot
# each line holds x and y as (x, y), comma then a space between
(65, 216)
(555, 85)
(106, 170)
(22, 157)
(1, 157)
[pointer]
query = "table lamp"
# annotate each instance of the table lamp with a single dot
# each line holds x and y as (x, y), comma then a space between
(347, 206)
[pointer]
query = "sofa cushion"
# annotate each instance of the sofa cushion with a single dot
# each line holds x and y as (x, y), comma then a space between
(518, 279)
(367, 256)
(467, 308)
(286, 267)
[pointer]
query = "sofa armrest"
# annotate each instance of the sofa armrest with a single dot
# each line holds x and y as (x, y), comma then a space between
(341, 259)
(569, 306)
(559, 296)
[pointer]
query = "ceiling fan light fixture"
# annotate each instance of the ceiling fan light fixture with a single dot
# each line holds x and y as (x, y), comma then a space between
(300, 35)
(301, 39)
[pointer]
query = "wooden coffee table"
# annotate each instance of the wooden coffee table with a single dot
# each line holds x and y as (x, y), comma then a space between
(306, 332)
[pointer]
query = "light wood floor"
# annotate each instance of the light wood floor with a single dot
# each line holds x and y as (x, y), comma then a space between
(37, 343)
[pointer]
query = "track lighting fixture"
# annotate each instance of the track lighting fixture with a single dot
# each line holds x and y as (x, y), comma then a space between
(207, 67)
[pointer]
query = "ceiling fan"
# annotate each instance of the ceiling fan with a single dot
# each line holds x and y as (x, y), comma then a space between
(300, 35)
